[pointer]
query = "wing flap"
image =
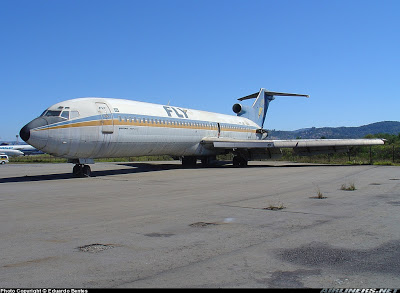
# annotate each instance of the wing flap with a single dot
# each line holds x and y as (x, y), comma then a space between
(308, 143)
(226, 143)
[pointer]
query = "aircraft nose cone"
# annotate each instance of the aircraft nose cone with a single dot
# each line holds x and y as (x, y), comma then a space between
(25, 132)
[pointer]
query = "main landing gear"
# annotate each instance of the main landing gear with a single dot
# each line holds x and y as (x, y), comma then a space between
(189, 161)
(80, 170)
(239, 161)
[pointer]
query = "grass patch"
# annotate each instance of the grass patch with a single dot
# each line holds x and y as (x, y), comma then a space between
(45, 158)
(385, 163)
(319, 193)
(275, 207)
(349, 187)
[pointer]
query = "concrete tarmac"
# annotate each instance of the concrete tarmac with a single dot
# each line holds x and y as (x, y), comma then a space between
(138, 225)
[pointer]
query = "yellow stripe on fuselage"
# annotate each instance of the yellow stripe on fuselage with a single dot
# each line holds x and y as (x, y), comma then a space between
(78, 124)
(175, 124)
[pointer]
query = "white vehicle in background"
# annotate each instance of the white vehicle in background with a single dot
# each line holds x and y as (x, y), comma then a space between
(3, 159)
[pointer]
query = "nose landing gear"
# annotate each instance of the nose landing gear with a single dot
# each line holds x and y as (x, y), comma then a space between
(80, 170)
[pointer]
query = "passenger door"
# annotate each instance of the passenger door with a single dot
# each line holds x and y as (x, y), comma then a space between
(106, 118)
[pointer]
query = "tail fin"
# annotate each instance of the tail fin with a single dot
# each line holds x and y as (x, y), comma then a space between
(258, 111)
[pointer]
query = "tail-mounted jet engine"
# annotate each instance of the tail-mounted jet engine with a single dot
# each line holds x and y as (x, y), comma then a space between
(240, 109)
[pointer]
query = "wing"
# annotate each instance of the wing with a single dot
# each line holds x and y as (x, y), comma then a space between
(303, 147)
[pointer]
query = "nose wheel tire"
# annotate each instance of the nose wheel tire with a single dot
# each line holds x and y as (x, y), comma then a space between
(81, 170)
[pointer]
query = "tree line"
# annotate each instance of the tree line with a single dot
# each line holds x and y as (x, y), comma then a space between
(387, 154)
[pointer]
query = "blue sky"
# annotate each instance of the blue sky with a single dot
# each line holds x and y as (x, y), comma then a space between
(204, 55)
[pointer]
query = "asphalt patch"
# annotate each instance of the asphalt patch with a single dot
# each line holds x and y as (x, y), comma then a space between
(202, 224)
(94, 248)
(383, 259)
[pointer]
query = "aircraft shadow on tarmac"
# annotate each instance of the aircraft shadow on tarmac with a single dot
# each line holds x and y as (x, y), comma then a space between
(136, 168)
(141, 168)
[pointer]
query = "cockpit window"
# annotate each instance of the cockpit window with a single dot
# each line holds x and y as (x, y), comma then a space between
(65, 114)
(52, 113)
(74, 114)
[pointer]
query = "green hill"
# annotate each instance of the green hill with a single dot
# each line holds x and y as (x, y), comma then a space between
(390, 127)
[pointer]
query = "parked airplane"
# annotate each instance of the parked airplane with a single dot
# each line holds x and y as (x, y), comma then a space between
(87, 128)
(17, 149)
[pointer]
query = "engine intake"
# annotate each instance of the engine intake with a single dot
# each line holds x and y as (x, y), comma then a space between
(237, 108)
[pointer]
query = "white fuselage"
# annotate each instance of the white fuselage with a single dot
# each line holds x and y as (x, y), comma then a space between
(103, 127)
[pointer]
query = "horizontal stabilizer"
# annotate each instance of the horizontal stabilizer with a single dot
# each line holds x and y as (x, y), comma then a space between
(258, 111)
(253, 96)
